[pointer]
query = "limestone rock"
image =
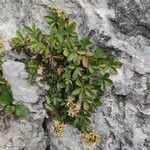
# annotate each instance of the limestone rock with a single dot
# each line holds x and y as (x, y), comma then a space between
(123, 29)
(70, 141)
(28, 133)
(19, 83)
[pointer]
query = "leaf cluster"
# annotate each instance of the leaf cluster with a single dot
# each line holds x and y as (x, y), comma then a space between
(77, 73)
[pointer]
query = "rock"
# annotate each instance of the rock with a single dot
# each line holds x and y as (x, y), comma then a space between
(28, 133)
(123, 29)
(147, 142)
(138, 89)
(23, 135)
(71, 140)
(41, 83)
(19, 83)
(142, 64)
(139, 138)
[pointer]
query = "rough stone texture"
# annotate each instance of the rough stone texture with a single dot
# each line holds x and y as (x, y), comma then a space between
(71, 140)
(123, 28)
(26, 134)
(19, 83)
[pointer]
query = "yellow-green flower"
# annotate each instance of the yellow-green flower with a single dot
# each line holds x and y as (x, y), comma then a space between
(61, 14)
(58, 128)
(40, 70)
(70, 103)
(91, 139)
(73, 112)
(73, 108)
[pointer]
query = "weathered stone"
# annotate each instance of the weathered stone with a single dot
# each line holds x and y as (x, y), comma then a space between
(142, 64)
(28, 133)
(123, 28)
(70, 141)
(19, 83)
(23, 135)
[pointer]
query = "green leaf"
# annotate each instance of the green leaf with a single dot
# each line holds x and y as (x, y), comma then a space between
(105, 81)
(10, 109)
(66, 52)
(6, 98)
(34, 27)
(85, 42)
(82, 121)
(112, 65)
(90, 68)
(27, 29)
(88, 93)
(72, 56)
(89, 100)
(56, 101)
(60, 86)
(50, 20)
(72, 66)
(2, 82)
(49, 107)
(99, 54)
(81, 52)
(77, 72)
(97, 103)
(78, 82)
(21, 111)
(76, 91)
(71, 27)
(20, 36)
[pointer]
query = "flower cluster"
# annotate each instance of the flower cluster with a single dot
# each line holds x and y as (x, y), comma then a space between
(40, 70)
(61, 14)
(58, 128)
(73, 108)
(91, 139)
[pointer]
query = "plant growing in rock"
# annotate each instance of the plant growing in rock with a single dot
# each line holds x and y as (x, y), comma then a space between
(6, 97)
(77, 73)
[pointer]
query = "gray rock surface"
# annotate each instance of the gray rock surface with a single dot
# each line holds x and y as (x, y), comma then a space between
(19, 83)
(123, 28)
(27, 133)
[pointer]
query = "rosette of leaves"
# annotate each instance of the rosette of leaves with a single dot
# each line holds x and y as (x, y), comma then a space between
(6, 97)
(77, 72)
